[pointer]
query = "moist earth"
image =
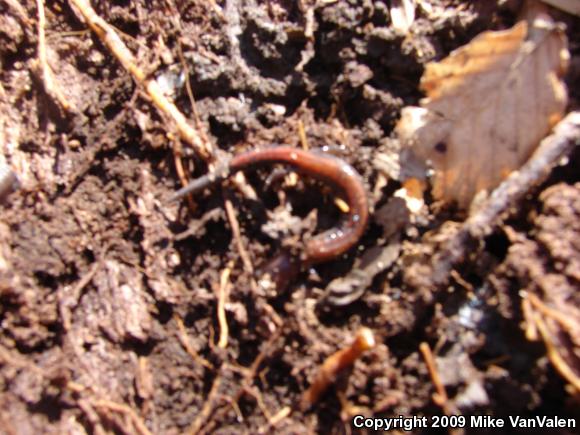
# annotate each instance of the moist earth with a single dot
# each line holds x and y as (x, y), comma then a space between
(109, 293)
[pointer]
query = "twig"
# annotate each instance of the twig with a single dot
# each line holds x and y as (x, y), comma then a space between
(273, 421)
(178, 161)
(111, 39)
(554, 355)
(552, 347)
(250, 373)
(255, 393)
(531, 330)
(568, 324)
(65, 301)
(490, 214)
(184, 340)
(124, 409)
(223, 294)
(50, 86)
(440, 396)
(207, 408)
(233, 220)
(302, 135)
(219, 174)
(334, 364)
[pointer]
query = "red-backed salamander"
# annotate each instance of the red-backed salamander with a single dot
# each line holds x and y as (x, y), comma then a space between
(326, 168)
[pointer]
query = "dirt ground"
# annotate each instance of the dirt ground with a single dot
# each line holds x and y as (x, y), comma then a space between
(109, 294)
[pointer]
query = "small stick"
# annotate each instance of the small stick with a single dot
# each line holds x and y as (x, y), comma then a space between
(537, 323)
(233, 220)
(440, 396)
(531, 330)
(302, 135)
(126, 410)
(334, 364)
(223, 294)
(50, 85)
(184, 339)
(565, 136)
(111, 39)
(554, 355)
(64, 301)
(178, 162)
(207, 408)
(547, 311)
(275, 419)
(249, 373)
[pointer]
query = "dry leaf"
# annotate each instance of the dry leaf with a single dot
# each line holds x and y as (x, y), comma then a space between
(488, 105)
(570, 6)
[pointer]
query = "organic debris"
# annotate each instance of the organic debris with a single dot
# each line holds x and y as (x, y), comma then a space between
(550, 288)
(488, 105)
(123, 313)
(334, 364)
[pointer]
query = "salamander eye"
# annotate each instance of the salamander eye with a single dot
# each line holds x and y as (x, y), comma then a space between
(441, 147)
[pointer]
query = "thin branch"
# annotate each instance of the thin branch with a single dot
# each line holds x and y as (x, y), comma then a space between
(111, 39)
(491, 213)
(50, 85)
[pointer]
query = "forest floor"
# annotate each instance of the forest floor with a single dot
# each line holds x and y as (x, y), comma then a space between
(113, 300)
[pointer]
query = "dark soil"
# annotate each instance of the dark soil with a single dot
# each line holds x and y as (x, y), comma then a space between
(109, 294)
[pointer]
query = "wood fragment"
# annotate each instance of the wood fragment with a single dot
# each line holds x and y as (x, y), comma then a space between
(223, 295)
(183, 178)
(555, 356)
(568, 324)
(126, 410)
(249, 375)
(207, 408)
(440, 396)
(276, 419)
(536, 311)
(184, 340)
(530, 328)
(111, 39)
(144, 379)
(334, 364)
(235, 225)
(50, 85)
(302, 135)
(69, 298)
(341, 204)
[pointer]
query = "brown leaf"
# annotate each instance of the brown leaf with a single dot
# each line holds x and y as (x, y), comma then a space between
(488, 105)
(570, 6)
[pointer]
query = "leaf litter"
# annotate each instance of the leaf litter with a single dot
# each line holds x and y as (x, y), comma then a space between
(109, 318)
(488, 105)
